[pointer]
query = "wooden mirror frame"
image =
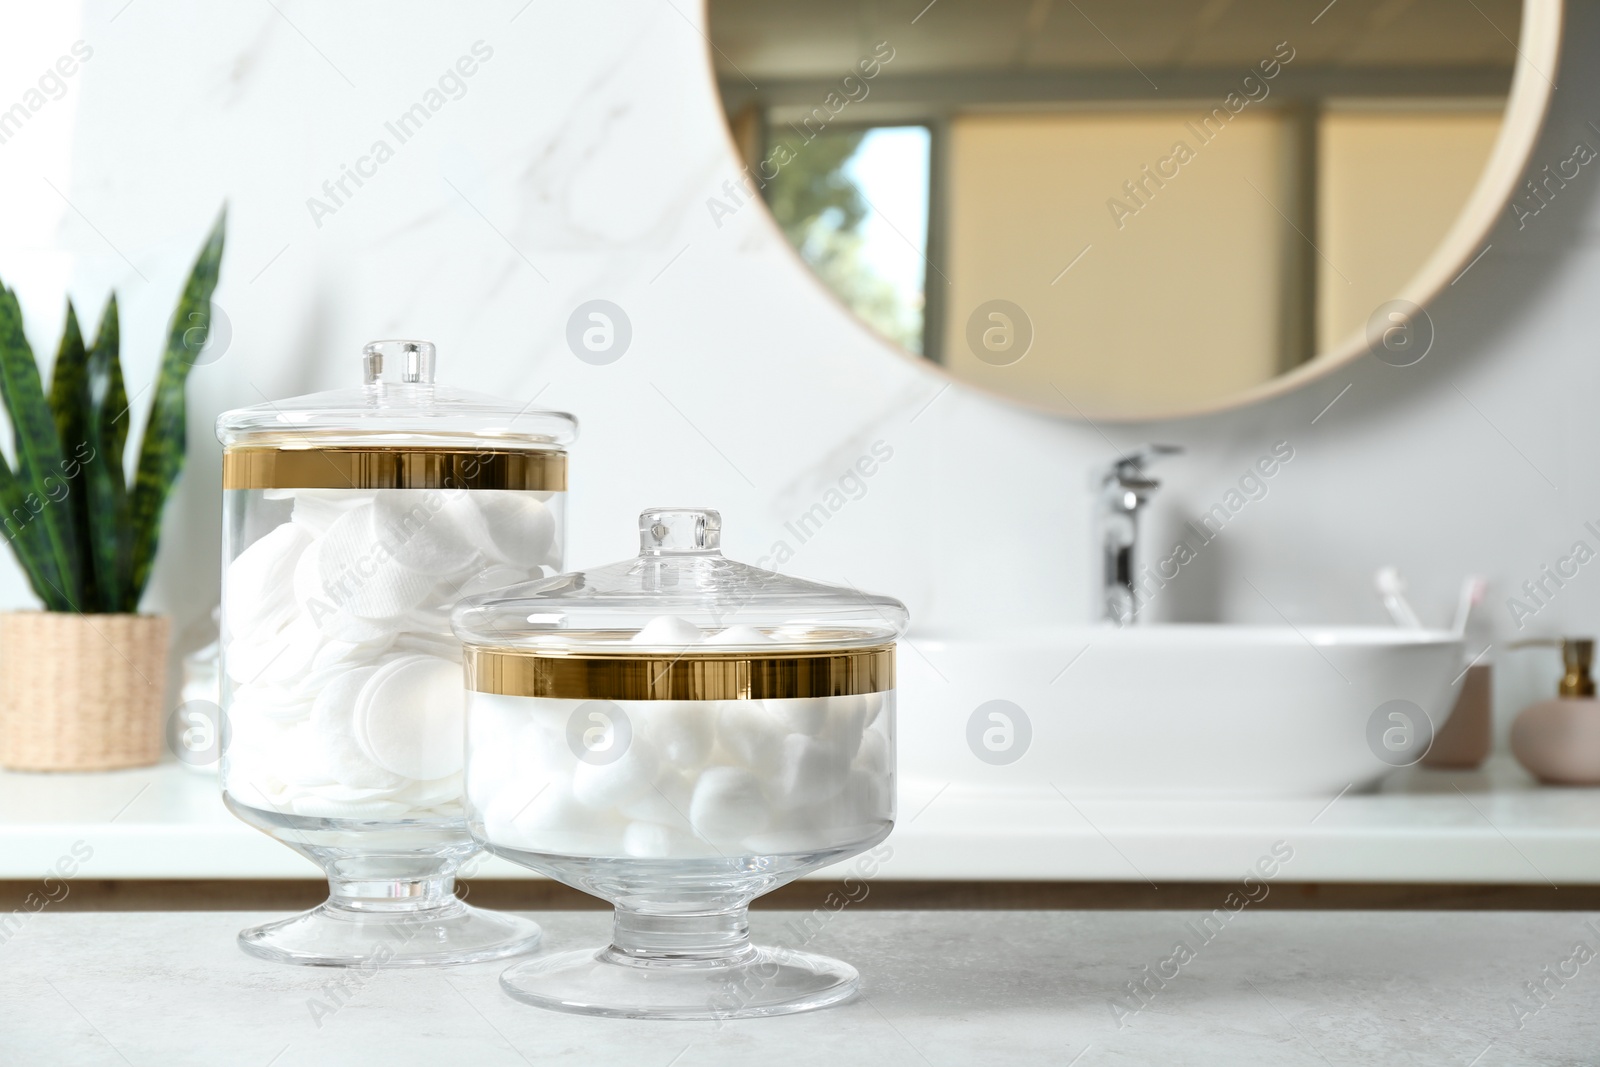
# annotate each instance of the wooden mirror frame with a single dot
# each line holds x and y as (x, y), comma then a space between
(1532, 84)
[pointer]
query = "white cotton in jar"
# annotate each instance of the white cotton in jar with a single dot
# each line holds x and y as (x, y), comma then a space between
(316, 509)
(681, 731)
(666, 802)
(333, 723)
(327, 609)
(671, 631)
(356, 570)
(434, 531)
(738, 635)
(259, 578)
(518, 530)
(810, 771)
(603, 786)
(728, 805)
(750, 734)
(408, 717)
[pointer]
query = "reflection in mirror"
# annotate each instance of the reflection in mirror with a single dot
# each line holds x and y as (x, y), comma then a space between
(1112, 207)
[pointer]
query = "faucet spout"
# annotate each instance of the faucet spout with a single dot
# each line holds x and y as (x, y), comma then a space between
(1124, 489)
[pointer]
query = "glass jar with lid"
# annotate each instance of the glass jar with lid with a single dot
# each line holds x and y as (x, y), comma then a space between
(353, 522)
(678, 734)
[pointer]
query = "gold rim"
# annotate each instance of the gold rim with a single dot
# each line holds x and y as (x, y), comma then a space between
(723, 676)
(393, 468)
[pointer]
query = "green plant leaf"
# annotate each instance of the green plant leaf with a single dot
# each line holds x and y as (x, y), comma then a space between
(28, 542)
(110, 533)
(39, 468)
(69, 405)
(161, 451)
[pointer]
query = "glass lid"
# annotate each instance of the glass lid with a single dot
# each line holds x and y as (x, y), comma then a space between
(398, 404)
(680, 594)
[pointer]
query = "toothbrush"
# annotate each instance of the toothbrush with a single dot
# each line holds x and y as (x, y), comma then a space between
(1392, 588)
(1473, 589)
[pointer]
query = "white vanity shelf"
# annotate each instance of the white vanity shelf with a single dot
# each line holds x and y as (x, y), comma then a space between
(1493, 826)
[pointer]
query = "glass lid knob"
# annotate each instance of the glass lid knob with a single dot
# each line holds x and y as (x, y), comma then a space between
(410, 362)
(680, 531)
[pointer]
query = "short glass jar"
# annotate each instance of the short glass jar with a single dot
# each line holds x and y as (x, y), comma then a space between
(679, 734)
(353, 522)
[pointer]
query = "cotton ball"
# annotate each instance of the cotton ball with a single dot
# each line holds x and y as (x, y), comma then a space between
(523, 800)
(867, 800)
(668, 630)
(805, 715)
(681, 731)
(874, 757)
(556, 823)
(751, 733)
(520, 530)
(648, 840)
(607, 786)
(727, 805)
(666, 801)
(738, 635)
(847, 718)
(810, 772)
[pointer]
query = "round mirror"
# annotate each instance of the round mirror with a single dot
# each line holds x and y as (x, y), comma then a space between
(1133, 210)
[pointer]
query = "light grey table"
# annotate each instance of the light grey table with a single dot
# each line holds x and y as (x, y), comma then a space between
(957, 988)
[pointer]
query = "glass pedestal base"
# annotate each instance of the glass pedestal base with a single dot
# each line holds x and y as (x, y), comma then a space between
(423, 933)
(682, 967)
(606, 982)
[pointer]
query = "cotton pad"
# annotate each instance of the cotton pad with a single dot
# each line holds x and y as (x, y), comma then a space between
(427, 530)
(316, 509)
(408, 717)
(357, 571)
(259, 579)
(333, 723)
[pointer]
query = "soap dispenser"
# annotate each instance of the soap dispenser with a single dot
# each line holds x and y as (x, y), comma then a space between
(1558, 740)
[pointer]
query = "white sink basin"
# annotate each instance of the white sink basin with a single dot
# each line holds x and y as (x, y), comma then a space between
(1206, 710)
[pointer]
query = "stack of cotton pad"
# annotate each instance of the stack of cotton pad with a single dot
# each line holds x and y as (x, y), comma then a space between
(345, 680)
(694, 779)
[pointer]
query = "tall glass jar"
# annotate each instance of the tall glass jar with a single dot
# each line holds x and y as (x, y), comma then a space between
(679, 733)
(353, 521)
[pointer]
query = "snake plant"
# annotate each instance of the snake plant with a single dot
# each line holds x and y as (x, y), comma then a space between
(85, 538)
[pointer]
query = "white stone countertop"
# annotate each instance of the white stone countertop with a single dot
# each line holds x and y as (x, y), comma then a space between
(959, 988)
(1494, 826)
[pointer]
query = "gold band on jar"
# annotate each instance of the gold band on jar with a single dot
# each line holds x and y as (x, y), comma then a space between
(368, 467)
(696, 676)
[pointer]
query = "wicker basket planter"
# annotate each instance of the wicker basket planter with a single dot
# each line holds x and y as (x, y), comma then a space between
(81, 692)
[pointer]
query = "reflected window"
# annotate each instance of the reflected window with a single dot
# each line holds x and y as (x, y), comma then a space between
(854, 203)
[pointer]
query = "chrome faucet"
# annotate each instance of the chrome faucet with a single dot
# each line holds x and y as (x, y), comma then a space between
(1124, 489)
